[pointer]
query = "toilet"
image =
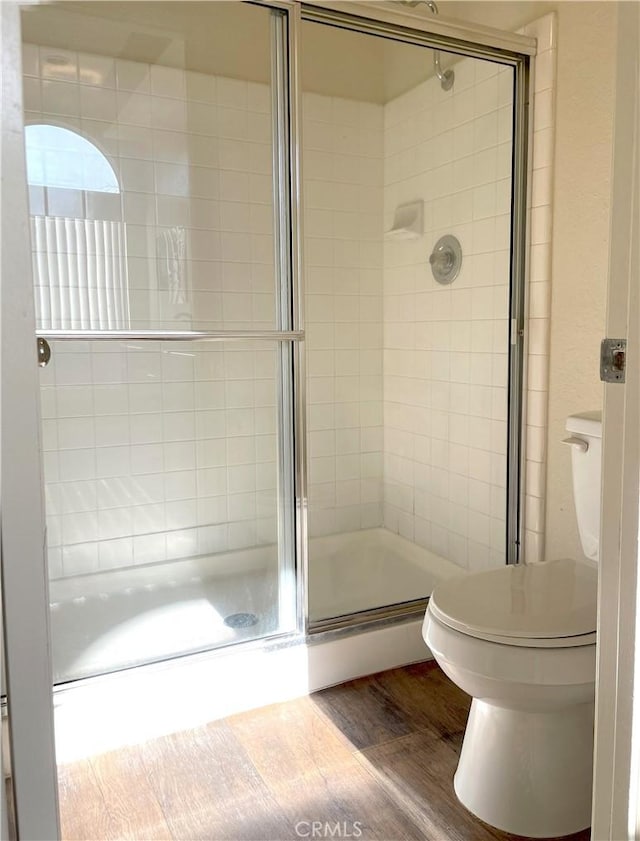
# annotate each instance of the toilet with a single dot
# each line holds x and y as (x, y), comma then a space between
(521, 640)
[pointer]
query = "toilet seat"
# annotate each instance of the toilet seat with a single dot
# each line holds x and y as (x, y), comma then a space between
(545, 605)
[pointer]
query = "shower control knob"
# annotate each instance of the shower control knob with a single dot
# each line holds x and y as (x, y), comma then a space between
(446, 259)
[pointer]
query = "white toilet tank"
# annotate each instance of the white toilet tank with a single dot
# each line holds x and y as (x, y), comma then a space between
(586, 454)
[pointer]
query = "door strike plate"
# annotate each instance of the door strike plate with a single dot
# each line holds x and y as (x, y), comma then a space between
(613, 360)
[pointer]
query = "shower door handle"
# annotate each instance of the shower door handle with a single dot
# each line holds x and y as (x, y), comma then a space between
(43, 352)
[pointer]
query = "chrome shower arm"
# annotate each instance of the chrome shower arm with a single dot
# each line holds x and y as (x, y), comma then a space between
(446, 77)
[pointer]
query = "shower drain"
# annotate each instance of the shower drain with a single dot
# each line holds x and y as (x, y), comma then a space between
(241, 620)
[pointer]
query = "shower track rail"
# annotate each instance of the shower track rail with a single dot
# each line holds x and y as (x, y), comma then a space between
(169, 335)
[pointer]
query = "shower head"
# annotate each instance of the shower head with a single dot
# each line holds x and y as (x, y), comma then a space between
(446, 77)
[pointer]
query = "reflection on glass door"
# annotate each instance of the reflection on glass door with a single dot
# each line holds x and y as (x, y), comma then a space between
(168, 464)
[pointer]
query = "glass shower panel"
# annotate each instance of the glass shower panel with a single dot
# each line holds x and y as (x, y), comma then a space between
(407, 378)
(162, 494)
(156, 205)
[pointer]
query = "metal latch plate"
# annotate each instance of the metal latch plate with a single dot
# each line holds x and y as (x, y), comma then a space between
(44, 352)
(613, 360)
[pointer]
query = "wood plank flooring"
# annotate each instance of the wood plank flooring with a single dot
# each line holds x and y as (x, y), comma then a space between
(374, 757)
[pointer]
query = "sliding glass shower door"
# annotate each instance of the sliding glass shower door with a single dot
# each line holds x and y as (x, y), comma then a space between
(159, 188)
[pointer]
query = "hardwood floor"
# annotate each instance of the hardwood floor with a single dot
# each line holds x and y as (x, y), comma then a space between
(373, 759)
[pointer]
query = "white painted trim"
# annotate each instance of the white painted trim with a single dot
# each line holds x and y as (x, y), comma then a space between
(24, 573)
(615, 789)
(473, 34)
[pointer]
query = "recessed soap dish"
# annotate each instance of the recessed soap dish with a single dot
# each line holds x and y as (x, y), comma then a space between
(407, 221)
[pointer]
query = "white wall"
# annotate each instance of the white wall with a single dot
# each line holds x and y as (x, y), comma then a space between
(445, 347)
(580, 242)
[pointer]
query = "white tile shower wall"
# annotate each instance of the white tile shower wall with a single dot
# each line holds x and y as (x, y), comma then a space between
(343, 190)
(445, 347)
(140, 462)
(155, 452)
(192, 154)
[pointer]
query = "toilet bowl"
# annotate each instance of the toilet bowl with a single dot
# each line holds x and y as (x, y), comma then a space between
(521, 640)
(526, 760)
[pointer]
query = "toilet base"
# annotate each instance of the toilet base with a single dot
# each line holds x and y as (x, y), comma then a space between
(528, 773)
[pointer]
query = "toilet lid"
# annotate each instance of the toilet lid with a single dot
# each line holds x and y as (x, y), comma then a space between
(545, 601)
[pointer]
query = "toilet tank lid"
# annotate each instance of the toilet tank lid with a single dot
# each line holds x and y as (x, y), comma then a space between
(586, 423)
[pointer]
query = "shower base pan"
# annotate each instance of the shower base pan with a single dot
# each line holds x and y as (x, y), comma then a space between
(126, 617)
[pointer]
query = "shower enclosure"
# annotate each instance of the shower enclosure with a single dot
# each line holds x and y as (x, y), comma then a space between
(218, 469)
